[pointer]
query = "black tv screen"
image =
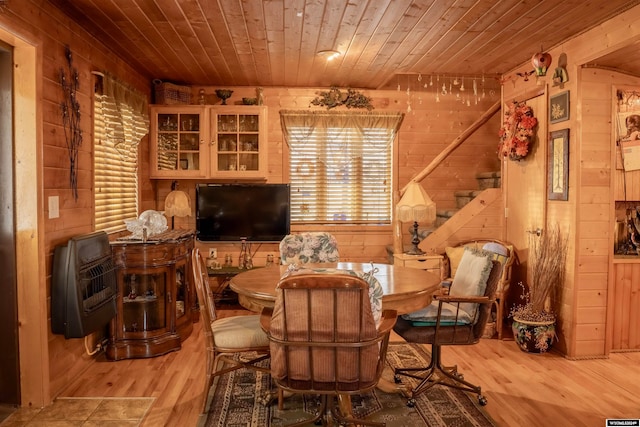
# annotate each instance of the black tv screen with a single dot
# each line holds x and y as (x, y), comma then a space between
(234, 212)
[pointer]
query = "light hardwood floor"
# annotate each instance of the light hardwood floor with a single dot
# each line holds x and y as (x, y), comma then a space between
(522, 389)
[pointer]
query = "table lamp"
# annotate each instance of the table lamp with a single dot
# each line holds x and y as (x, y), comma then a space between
(416, 205)
(176, 203)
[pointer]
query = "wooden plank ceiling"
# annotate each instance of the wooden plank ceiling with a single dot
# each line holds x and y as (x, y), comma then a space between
(275, 42)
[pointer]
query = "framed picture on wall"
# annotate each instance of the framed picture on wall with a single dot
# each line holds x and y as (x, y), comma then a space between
(559, 107)
(558, 172)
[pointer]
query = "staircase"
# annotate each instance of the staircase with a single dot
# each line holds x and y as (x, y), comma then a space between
(477, 217)
(474, 217)
(463, 197)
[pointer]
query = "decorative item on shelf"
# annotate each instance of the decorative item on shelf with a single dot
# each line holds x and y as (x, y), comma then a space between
(133, 293)
(176, 203)
(70, 108)
(517, 131)
(228, 260)
(148, 224)
(249, 101)
(224, 94)
(171, 94)
(335, 98)
(202, 99)
(534, 321)
(541, 62)
(260, 95)
(244, 260)
(416, 205)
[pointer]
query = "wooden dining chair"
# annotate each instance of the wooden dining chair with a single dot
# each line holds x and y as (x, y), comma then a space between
(324, 340)
(502, 251)
(227, 339)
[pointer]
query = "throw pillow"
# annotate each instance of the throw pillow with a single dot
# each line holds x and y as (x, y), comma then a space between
(471, 277)
(500, 253)
(496, 248)
(455, 255)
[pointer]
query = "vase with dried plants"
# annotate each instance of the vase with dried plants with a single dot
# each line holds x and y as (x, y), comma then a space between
(534, 320)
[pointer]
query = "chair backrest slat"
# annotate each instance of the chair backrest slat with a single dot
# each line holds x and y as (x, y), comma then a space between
(323, 334)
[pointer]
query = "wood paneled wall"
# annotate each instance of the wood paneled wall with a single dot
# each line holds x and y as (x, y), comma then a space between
(587, 215)
(426, 130)
(624, 302)
(39, 24)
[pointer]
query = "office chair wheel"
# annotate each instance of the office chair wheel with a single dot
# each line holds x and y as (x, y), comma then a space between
(482, 400)
(397, 379)
(411, 402)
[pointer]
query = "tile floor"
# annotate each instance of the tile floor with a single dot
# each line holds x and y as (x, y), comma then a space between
(86, 412)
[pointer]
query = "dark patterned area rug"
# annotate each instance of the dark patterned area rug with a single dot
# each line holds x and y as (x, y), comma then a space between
(235, 401)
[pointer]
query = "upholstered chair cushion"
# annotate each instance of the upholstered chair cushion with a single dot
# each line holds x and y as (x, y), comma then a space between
(239, 332)
(311, 247)
(454, 254)
(450, 315)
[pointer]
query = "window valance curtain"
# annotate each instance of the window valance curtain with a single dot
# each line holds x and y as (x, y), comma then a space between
(121, 120)
(340, 165)
(355, 129)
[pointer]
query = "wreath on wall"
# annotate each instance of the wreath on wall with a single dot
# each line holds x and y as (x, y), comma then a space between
(517, 131)
(335, 98)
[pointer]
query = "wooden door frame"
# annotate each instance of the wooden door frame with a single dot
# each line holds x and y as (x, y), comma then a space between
(29, 221)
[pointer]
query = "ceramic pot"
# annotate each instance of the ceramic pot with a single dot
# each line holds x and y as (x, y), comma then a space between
(534, 337)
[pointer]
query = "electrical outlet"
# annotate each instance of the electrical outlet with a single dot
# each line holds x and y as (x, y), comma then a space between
(213, 253)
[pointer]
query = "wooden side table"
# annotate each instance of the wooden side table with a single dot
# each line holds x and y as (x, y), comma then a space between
(155, 295)
(430, 263)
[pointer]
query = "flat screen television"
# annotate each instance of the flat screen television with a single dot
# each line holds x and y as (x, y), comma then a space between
(235, 212)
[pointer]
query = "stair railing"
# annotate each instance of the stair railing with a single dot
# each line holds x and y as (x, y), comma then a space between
(397, 226)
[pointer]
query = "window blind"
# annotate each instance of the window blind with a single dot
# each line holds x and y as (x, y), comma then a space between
(120, 122)
(340, 166)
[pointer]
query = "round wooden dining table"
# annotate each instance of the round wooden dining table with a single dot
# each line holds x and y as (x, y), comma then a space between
(405, 289)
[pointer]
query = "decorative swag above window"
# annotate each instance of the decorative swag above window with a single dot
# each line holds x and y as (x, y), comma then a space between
(340, 165)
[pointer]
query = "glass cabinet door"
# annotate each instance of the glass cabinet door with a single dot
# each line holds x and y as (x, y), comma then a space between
(181, 290)
(143, 302)
(238, 144)
(178, 142)
(178, 136)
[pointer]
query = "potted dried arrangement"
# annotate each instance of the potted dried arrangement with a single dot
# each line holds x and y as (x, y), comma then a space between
(534, 321)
